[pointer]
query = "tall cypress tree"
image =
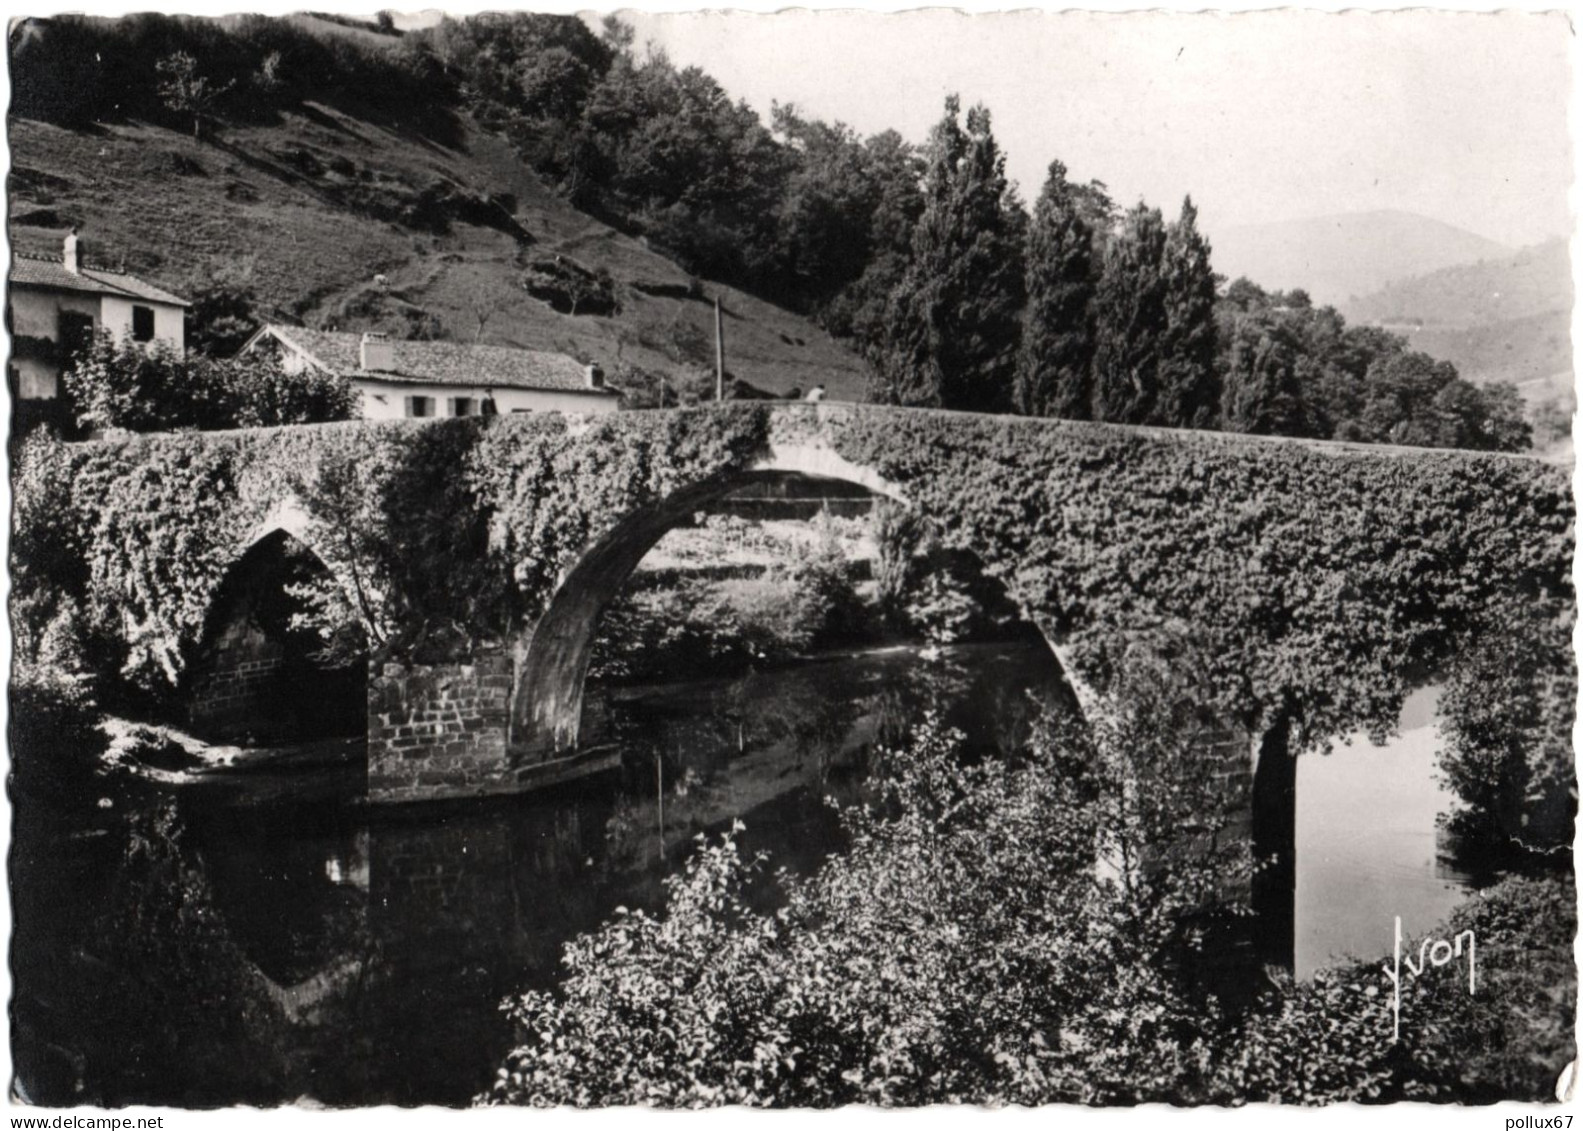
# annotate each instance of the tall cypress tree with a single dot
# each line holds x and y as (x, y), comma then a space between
(1154, 314)
(954, 320)
(1189, 389)
(1053, 368)
(1130, 320)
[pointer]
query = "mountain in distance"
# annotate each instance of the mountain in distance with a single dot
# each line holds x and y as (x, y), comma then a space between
(1335, 258)
(1506, 319)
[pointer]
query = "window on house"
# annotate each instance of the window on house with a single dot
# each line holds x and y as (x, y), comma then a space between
(420, 406)
(142, 323)
(464, 406)
(517, 410)
(76, 334)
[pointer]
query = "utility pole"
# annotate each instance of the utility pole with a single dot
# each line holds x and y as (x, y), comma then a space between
(720, 354)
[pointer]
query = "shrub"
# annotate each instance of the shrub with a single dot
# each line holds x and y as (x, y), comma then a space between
(1508, 708)
(120, 384)
(898, 532)
(1331, 1040)
(56, 747)
(965, 949)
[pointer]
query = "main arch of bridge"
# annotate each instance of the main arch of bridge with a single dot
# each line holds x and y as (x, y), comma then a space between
(547, 704)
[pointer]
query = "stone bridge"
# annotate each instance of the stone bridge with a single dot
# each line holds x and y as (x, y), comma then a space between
(1318, 581)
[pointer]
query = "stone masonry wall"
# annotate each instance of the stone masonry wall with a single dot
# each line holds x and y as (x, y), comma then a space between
(236, 683)
(439, 730)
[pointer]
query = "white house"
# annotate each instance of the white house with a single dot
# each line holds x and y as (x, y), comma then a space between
(54, 306)
(421, 379)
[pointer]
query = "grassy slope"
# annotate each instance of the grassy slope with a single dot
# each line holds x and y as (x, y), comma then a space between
(1506, 319)
(166, 207)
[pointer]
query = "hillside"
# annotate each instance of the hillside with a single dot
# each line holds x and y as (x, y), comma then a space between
(315, 206)
(1337, 257)
(1505, 319)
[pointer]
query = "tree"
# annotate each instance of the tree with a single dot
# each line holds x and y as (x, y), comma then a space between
(1054, 367)
(1260, 389)
(1486, 418)
(895, 169)
(1509, 706)
(221, 317)
(484, 300)
(825, 225)
(1189, 387)
(1399, 405)
(1129, 320)
(954, 328)
(185, 91)
(1154, 313)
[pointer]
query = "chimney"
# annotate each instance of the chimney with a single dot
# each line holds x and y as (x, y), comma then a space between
(596, 376)
(377, 355)
(72, 252)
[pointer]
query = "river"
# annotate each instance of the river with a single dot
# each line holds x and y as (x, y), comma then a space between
(265, 937)
(1368, 845)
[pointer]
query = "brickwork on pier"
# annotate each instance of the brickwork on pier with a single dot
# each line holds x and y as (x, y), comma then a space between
(439, 730)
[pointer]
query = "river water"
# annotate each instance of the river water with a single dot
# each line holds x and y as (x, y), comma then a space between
(1368, 845)
(265, 938)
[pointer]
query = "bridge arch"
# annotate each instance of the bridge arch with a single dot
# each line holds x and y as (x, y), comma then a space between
(259, 675)
(553, 658)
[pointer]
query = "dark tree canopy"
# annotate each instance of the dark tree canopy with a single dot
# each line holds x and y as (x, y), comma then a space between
(1053, 369)
(954, 315)
(1130, 320)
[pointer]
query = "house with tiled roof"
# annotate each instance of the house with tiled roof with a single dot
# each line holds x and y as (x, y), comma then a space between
(54, 305)
(424, 379)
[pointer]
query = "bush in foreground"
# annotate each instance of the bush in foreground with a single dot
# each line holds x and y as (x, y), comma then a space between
(964, 949)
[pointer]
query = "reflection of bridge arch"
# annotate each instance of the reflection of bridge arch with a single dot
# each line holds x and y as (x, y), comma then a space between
(547, 704)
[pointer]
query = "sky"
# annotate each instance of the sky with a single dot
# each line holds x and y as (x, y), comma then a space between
(1261, 116)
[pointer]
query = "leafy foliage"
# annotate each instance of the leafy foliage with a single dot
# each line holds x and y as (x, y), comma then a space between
(121, 384)
(187, 92)
(963, 950)
(222, 315)
(1155, 333)
(1291, 369)
(1053, 370)
(916, 257)
(1330, 1040)
(1508, 706)
(966, 949)
(898, 532)
(77, 70)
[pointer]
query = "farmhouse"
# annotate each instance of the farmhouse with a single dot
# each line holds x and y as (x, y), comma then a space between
(420, 379)
(55, 305)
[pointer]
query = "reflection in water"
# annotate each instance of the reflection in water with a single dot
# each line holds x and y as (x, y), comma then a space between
(271, 947)
(1368, 848)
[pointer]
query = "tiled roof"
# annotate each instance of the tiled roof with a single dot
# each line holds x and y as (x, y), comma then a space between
(47, 271)
(443, 363)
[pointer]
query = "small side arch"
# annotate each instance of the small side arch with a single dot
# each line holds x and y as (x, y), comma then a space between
(262, 673)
